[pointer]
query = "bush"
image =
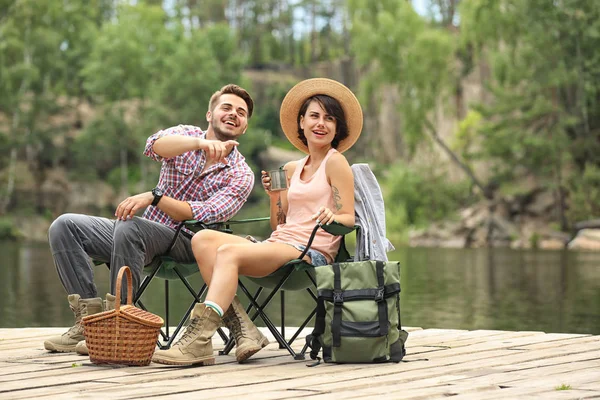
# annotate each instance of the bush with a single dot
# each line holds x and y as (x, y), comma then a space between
(585, 195)
(417, 198)
(8, 230)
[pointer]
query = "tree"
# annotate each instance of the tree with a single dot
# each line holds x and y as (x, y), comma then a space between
(40, 57)
(125, 66)
(401, 51)
(544, 77)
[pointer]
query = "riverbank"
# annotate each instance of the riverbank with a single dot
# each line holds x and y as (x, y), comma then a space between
(508, 223)
(469, 232)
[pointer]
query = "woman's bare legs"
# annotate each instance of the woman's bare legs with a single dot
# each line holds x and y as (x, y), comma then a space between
(222, 258)
(252, 259)
(205, 244)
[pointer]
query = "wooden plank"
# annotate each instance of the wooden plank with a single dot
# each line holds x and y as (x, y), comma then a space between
(453, 339)
(90, 372)
(60, 392)
(462, 364)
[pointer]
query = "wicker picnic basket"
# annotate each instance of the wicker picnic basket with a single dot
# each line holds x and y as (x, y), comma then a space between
(126, 335)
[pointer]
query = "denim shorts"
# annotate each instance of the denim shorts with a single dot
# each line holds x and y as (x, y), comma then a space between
(317, 258)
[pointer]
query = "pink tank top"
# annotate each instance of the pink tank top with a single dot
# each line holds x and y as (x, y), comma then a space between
(305, 197)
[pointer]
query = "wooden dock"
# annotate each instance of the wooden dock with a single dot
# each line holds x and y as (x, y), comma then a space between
(440, 363)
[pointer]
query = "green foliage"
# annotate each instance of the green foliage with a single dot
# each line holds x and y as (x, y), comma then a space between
(42, 46)
(563, 387)
(411, 56)
(466, 138)
(125, 58)
(534, 240)
(8, 230)
(133, 176)
(585, 195)
(415, 198)
(544, 81)
(198, 66)
(143, 67)
(96, 149)
(149, 79)
(266, 115)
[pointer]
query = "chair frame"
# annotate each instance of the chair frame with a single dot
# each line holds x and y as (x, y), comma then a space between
(294, 266)
(167, 337)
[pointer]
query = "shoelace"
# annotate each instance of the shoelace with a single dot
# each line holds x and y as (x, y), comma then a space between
(236, 326)
(76, 329)
(190, 331)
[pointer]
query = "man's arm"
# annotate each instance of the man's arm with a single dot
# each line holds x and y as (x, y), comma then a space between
(176, 209)
(225, 203)
(174, 145)
(178, 140)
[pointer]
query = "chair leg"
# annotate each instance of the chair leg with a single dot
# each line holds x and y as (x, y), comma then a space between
(280, 336)
(138, 302)
(167, 308)
(282, 303)
(161, 332)
(307, 320)
(197, 299)
(260, 312)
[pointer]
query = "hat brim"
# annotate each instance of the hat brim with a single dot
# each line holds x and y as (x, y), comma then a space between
(288, 113)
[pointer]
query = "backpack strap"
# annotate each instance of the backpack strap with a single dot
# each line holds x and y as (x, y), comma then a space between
(380, 299)
(314, 339)
(338, 301)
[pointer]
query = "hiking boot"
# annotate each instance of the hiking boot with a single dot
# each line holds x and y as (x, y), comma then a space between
(195, 346)
(81, 308)
(108, 304)
(248, 339)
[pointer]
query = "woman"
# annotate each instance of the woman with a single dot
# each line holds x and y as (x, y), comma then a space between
(322, 118)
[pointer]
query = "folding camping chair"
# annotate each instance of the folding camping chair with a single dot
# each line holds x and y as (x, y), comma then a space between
(167, 268)
(295, 275)
(299, 275)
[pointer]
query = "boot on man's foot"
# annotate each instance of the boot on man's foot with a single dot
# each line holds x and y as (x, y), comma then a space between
(108, 304)
(81, 308)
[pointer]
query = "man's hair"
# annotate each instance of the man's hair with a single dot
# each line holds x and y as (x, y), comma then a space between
(331, 107)
(232, 89)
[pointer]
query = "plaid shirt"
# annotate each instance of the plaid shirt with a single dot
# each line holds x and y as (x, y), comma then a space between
(214, 195)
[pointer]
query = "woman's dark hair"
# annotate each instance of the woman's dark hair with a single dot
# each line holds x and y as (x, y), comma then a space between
(331, 107)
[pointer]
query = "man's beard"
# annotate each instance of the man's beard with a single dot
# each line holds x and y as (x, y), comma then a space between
(222, 134)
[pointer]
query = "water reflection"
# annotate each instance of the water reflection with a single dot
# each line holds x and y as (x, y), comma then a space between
(551, 291)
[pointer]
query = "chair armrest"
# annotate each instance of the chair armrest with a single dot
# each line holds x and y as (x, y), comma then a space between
(195, 225)
(337, 229)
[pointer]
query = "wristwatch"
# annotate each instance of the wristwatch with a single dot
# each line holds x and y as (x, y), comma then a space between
(158, 194)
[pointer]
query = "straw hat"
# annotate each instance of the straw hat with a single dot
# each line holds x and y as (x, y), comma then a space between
(297, 95)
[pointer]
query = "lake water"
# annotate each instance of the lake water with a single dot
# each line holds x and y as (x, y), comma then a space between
(550, 291)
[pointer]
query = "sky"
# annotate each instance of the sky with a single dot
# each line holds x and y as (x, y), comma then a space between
(420, 6)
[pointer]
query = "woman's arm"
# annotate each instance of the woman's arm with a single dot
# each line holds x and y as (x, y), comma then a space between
(278, 200)
(341, 179)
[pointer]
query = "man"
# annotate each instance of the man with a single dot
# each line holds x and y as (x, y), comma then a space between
(203, 177)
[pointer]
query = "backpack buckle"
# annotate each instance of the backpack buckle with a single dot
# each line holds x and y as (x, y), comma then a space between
(379, 294)
(338, 297)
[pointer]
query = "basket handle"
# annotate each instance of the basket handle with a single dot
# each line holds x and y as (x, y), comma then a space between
(124, 270)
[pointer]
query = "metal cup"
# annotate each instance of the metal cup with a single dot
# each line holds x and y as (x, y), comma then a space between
(278, 180)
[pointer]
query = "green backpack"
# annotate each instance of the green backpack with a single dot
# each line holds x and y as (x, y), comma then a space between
(358, 313)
